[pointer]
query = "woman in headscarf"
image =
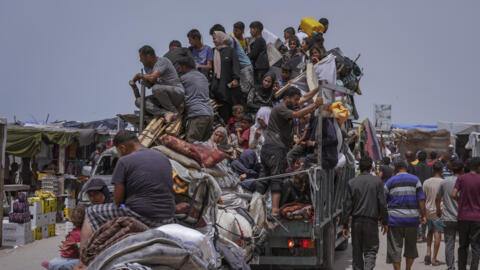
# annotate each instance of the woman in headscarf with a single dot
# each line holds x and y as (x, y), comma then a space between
(225, 87)
(97, 191)
(220, 141)
(247, 167)
(256, 131)
(262, 95)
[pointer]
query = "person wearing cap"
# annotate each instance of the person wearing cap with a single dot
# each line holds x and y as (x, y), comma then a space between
(143, 188)
(448, 212)
(98, 192)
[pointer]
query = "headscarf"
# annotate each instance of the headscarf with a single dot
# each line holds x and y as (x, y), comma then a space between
(264, 96)
(264, 114)
(223, 146)
(106, 193)
(247, 163)
(224, 40)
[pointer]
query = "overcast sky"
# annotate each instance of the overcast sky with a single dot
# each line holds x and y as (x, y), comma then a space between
(73, 59)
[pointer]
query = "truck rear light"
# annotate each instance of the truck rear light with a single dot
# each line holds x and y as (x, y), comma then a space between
(291, 244)
(307, 243)
(300, 243)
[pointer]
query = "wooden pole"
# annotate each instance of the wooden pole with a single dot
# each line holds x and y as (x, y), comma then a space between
(61, 168)
(142, 107)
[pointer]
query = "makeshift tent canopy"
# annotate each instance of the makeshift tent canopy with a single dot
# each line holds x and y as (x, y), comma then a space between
(27, 141)
(409, 127)
(460, 128)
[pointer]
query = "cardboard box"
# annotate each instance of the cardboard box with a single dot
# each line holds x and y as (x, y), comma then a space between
(37, 233)
(51, 230)
(17, 240)
(44, 232)
(35, 208)
(16, 229)
(37, 221)
(51, 204)
(51, 218)
(31, 200)
(67, 212)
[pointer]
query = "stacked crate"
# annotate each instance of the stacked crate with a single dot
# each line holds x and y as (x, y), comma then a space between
(16, 234)
(44, 215)
(52, 183)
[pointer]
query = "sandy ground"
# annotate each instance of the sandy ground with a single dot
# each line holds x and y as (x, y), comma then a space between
(31, 255)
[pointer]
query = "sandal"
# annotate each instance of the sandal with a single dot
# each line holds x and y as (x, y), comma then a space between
(438, 263)
(428, 260)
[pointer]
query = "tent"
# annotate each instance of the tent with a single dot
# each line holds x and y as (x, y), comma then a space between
(460, 132)
(27, 141)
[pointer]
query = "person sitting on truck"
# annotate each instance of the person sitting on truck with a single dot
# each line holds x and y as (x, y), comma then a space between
(162, 77)
(365, 203)
(143, 188)
(175, 52)
(279, 139)
(238, 31)
(324, 22)
(202, 54)
(198, 109)
(98, 192)
(288, 33)
(258, 52)
(297, 188)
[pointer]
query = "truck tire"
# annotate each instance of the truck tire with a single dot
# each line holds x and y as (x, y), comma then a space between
(328, 247)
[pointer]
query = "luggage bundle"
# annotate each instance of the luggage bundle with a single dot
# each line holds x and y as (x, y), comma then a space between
(347, 70)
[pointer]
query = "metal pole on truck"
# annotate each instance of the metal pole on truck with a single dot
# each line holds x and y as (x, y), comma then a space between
(142, 107)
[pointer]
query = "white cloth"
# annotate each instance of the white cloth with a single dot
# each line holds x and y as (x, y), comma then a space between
(301, 36)
(474, 144)
(326, 70)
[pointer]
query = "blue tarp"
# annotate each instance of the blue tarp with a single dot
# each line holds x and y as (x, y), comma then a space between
(409, 127)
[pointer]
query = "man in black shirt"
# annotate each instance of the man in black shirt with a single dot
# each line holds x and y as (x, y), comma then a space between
(385, 170)
(365, 203)
(258, 52)
(422, 170)
(279, 139)
(143, 188)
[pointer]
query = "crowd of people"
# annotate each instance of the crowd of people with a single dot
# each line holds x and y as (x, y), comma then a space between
(415, 201)
(250, 120)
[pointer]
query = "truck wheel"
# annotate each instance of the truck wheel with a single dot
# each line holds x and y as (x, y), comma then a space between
(328, 247)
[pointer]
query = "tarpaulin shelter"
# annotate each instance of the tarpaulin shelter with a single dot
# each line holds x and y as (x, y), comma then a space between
(27, 141)
(410, 127)
(460, 132)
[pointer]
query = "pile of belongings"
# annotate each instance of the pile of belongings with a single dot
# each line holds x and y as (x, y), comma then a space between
(171, 246)
(214, 226)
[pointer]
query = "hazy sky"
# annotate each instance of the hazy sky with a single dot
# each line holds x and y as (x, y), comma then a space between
(73, 59)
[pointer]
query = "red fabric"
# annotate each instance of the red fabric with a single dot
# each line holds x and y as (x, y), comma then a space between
(246, 137)
(209, 156)
(202, 154)
(181, 147)
(231, 125)
(72, 237)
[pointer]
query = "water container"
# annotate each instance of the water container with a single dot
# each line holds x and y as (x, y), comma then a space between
(310, 26)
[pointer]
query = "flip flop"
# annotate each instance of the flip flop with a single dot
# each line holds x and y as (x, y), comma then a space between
(438, 263)
(428, 260)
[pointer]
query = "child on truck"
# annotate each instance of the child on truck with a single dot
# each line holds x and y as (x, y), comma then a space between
(69, 251)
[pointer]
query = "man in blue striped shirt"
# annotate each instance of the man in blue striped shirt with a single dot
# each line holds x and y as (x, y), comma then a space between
(406, 208)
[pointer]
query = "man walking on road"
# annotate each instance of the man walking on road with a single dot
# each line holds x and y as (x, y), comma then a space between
(467, 192)
(365, 203)
(448, 212)
(406, 206)
(434, 223)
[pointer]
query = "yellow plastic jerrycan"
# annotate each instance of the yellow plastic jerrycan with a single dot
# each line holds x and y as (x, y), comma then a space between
(310, 26)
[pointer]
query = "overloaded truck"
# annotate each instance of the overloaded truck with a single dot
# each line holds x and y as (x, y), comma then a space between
(312, 243)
